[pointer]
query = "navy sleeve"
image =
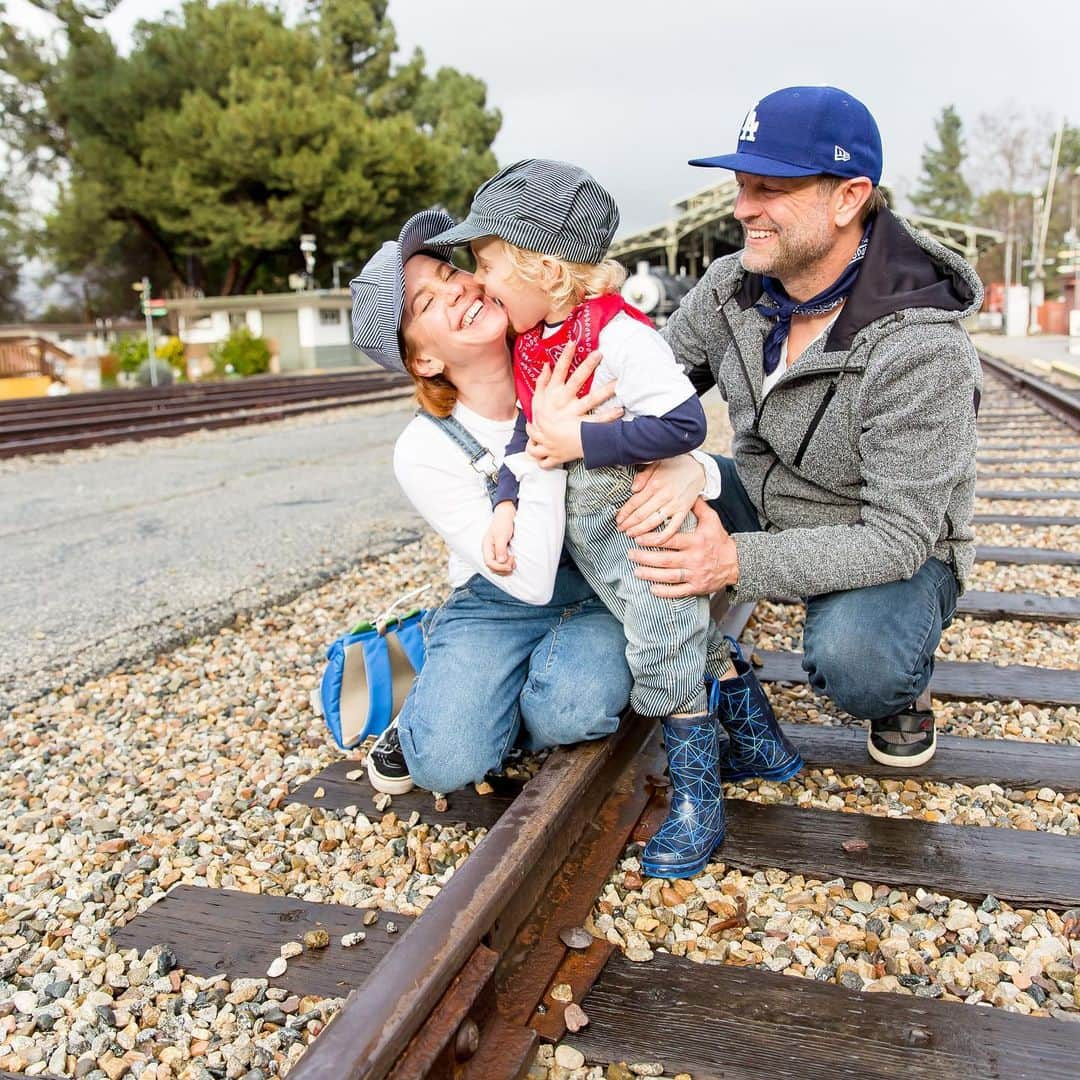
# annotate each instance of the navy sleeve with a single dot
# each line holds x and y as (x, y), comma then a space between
(507, 487)
(645, 438)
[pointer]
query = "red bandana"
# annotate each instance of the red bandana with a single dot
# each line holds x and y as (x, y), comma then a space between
(533, 351)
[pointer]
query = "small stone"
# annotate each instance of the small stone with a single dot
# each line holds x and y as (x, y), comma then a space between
(354, 774)
(1045, 794)
(381, 801)
(575, 937)
(617, 1070)
(647, 1068)
(319, 793)
(562, 992)
(569, 1057)
(25, 1001)
(574, 1017)
(245, 990)
(484, 788)
(391, 928)
(290, 1005)
(855, 844)
(278, 966)
(863, 891)
(349, 940)
(166, 961)
(291, 949)
(316, 939)
(639, 954)
(371, 918)
(441, 804)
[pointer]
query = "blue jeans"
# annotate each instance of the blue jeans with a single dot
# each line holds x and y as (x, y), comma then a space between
(870, 650)
(497, 668)
(665, 638)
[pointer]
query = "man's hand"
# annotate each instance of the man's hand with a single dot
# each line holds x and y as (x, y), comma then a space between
(696, 563)
(496, 547)
(557, 411)
(662, 492)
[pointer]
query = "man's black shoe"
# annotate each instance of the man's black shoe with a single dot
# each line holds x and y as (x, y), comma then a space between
(386, 766)
(905, 740)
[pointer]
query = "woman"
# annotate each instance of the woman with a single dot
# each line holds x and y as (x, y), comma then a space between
(532, 656)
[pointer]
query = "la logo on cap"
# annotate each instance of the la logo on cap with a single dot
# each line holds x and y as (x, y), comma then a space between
(750, 125)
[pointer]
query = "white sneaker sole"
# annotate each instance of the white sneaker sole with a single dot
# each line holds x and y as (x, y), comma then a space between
(389, 785)
(912, 762)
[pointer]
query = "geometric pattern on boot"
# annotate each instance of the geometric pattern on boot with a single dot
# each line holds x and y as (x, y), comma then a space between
(695, 824)
(757, 746)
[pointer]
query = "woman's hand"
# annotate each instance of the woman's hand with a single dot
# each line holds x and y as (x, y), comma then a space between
(663, 494)
(557, 411)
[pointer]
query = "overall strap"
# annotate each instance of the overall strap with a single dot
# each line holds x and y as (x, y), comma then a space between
(480, 458)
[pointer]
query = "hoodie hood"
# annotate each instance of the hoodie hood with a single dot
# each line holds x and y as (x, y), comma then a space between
(903, 270)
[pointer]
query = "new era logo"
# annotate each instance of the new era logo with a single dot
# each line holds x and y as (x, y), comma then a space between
(840, 154)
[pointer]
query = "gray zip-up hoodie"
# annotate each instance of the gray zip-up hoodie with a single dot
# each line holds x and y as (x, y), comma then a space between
(861, 460)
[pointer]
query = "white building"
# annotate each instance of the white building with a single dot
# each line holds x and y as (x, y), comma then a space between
(304, 329)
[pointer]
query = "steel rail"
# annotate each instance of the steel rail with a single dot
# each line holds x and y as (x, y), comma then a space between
(492, 891)
(209, 388)
(1061, 403)
(170, 427)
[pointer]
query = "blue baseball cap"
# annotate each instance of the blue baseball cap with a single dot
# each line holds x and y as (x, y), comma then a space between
(805, 131)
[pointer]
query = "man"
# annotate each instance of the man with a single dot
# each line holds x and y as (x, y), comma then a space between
(835, 337)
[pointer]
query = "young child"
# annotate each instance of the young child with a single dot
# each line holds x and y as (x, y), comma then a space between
(539, 231)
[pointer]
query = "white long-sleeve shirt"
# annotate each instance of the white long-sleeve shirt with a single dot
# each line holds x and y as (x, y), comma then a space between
(452, 498)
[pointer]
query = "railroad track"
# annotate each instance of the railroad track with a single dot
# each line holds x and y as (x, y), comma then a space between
(473, 986)
(44, 425)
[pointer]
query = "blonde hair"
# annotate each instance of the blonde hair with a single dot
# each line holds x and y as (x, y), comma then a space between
(574, 281)
(435, 394)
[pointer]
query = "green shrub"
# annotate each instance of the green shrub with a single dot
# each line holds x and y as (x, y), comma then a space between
(130, 352)
(171, 350)
(241, 353)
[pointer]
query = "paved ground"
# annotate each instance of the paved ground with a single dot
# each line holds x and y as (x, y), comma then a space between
(120, 552)
(1042, 348)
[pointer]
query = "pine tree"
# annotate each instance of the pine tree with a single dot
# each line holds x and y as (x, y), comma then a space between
(226, 132)
(943, 192)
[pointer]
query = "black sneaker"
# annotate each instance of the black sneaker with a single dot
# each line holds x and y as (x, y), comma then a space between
(386, 766)
(905, 740)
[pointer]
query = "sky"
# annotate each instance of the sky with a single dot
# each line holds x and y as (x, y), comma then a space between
(631, 89)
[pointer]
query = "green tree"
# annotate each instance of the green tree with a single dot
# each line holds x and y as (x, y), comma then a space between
(943, 192)
(225, 133)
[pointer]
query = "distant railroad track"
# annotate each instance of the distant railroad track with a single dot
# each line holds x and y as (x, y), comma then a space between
(50, 424)
(466, 991)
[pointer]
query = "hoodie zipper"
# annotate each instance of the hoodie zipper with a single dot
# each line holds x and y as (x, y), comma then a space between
(829, 392)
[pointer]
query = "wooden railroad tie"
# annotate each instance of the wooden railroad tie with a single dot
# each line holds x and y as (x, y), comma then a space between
(719, 1021)
(959, 681)
(1026, 556)
(239, 933)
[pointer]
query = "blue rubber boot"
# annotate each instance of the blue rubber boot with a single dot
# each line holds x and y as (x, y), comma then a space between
(695, 823)
(756, 745)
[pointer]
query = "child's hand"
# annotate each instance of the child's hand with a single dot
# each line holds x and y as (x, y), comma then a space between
(500, 532)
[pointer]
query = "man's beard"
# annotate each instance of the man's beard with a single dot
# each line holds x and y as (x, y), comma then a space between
(796, 250)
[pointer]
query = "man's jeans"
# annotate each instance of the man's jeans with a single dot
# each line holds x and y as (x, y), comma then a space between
(870, 650)
(497, 668)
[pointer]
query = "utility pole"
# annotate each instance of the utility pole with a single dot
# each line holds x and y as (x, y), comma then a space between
(1041, 228)
(143, 289)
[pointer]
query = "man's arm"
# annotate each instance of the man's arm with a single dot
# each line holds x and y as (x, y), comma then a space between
(685, 332)
(917, 442)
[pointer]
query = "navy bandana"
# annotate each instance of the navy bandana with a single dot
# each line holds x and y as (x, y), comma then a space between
(782, 307)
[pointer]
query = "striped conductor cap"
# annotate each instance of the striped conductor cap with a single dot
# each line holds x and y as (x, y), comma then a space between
(378, 291)
(550, 207)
